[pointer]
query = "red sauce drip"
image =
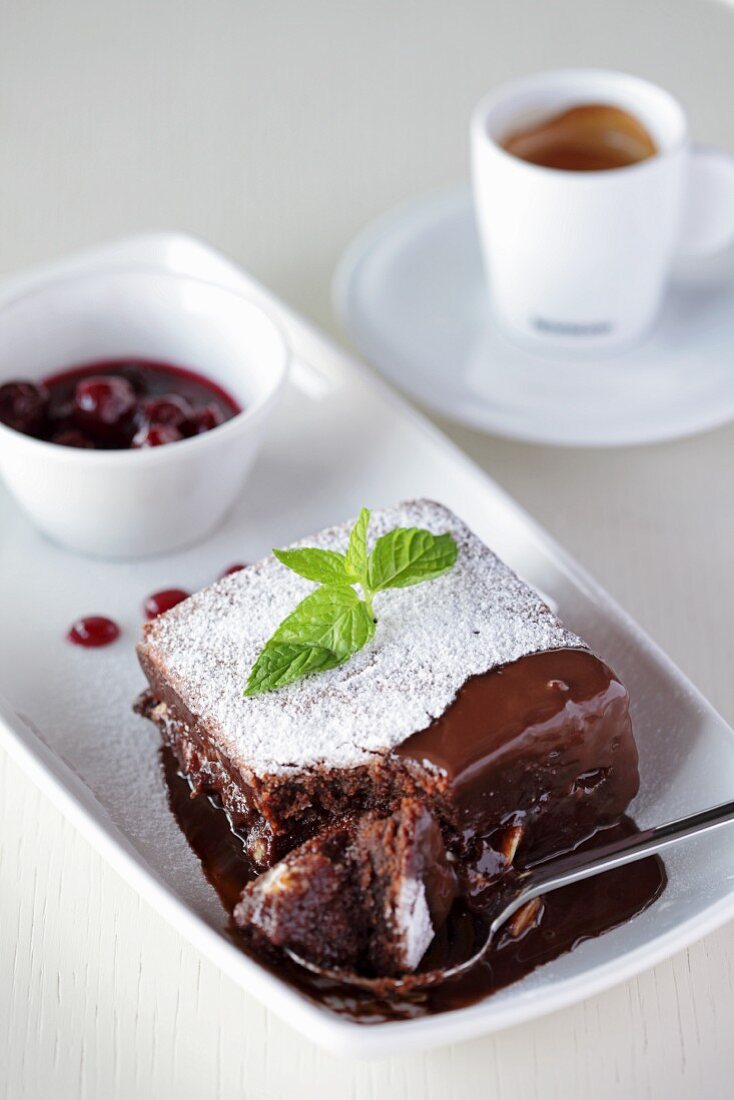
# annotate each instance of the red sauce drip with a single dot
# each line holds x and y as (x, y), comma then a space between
(232, 569)
(93, 631)
(159, 602)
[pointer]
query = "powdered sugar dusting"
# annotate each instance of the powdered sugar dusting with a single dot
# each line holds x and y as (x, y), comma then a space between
(429, 639)
(413, 921)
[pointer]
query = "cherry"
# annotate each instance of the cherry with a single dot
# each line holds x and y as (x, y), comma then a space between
(93, 631)
(72, 437)
(134, 374)
(23, 406)
(168, 409)
(204, 418)
(105, 407)
(59, 415)
(161, 602)
(232, 569)
(155, 435)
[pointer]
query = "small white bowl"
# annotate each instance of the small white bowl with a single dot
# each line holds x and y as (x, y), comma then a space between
(131, 503)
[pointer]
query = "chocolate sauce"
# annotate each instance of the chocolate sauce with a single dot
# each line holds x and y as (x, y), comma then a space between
(549, 732)
(592, 137)
(570, 916)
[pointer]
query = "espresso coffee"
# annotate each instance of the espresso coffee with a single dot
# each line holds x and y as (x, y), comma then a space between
(592, 137)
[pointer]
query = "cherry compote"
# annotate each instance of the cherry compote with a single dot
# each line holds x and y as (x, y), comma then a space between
(116, 405)
(93, 631)
(23, 406)
(160, 602)
(236, 568)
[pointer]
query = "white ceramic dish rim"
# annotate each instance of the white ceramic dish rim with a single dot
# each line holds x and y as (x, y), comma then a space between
(471, 412)
(336, 1034)
(150, 455)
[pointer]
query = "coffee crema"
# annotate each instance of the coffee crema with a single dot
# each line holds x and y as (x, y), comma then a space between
(592, 137)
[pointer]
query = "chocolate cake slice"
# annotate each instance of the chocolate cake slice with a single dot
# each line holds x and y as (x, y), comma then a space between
(367, 895)
(471, 697)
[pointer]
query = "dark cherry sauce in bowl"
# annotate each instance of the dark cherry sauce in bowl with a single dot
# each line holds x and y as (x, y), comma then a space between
(117, 405)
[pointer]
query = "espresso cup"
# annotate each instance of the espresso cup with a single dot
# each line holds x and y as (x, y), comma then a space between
(580, 260)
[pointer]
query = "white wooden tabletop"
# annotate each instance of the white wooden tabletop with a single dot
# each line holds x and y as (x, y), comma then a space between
(276, 131)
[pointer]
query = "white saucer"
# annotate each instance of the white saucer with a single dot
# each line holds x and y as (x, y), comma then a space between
(412, 295)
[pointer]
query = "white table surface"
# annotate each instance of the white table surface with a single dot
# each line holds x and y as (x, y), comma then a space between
(276, 130)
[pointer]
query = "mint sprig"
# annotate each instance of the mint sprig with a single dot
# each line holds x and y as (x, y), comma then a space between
(334, 622)
(322, 566)
(357, 558)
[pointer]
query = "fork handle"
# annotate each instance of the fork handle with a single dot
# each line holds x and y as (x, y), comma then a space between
(628, 849)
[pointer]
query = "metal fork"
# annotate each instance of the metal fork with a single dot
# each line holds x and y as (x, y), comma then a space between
(537, 882)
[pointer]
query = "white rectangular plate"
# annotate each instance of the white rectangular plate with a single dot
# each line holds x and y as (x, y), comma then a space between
(342, 439)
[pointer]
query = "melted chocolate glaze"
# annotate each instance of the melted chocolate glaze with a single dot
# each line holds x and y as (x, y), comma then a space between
(570, 916)
(550, 733)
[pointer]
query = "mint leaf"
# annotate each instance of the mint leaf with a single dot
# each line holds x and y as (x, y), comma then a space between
(357, 549)
(322, 566)
(281, 663)
(332, 617)
(326, 628)
(332, 623)
(409, 555)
